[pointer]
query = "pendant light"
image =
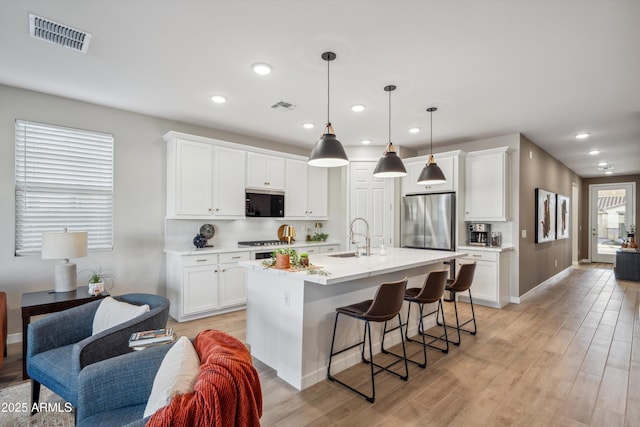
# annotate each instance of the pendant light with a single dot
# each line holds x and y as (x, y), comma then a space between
(389, 165)
(431, 174)
(328, 151)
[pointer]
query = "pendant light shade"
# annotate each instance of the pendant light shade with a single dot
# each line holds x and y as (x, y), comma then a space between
(328, 151)
(389, 165)
(431, 174)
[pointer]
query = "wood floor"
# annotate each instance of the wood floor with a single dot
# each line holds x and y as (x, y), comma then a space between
(568, 356)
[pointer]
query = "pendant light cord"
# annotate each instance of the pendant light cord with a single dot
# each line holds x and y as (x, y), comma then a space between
(431, 125)
(328, 95)
(389, 117)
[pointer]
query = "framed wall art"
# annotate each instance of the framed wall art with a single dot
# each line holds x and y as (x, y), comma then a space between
(562, 217)
(545, 216)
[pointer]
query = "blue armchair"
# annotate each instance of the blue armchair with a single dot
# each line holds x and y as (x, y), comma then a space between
(60, 346)
(115, 392)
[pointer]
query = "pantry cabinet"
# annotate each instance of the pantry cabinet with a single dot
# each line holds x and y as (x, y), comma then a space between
(306, 191)
(265, 172)
(204, 180)
(487, 185)
(204, 285)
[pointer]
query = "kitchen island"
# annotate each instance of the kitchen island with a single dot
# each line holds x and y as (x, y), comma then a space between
(290, 315)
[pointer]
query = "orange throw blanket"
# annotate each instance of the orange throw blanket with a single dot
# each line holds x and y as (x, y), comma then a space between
(227, 390)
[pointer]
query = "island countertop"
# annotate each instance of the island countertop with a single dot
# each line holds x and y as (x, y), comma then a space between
(346, 269)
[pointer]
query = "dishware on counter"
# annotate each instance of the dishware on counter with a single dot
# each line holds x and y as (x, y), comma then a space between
(496, 238)
(208, 231)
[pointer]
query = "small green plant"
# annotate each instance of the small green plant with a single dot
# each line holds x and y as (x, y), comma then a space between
(304, 255)
(99, 275)
(293, 254)
(319, 237)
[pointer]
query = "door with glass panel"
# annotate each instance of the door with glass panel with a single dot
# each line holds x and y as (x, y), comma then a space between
(612, 212)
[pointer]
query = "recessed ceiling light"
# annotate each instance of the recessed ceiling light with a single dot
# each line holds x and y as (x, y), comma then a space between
(602, 164)
(414, 130)
(365, 141)
(218, 99)
(582, 135)
(608, 172)
(594, 152)
(308, 125)
(358, 108)
(261, 68)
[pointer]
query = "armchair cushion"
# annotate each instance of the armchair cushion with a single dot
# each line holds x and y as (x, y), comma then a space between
(111, 313)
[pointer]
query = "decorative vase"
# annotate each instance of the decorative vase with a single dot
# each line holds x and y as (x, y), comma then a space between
(200, 241)
(96, 288)
(304, 261)
(632, 243)
(283, 261)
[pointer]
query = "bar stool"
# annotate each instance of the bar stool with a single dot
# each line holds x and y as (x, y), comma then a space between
(463, 281)
(385, 306)
(432, 291)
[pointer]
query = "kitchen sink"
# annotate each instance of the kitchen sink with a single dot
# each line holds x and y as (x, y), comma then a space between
(343, 255)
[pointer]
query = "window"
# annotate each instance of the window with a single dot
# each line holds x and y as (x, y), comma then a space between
(64, 178)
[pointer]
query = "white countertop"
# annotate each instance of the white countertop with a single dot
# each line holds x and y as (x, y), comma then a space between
(346, 269)
(191, 250)
(503, 248)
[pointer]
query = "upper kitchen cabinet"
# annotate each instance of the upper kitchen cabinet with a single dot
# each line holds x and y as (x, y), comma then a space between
(265, 172)
(306, 191)
(204, 180)
(448, 163)
(487, 185)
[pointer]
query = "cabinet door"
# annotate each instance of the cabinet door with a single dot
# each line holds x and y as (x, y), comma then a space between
(264, 171)
(486, 187)
(194, 180)
(485, 280)
(297, 188)
(229, 187)
(233, 285)
(200, 291)
(318, 193)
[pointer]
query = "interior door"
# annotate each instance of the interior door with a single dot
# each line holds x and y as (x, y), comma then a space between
(612, 210)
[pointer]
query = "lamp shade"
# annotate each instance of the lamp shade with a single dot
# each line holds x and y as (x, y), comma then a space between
(328, 152)
(64, 245)
(431, 174)
(389, 165)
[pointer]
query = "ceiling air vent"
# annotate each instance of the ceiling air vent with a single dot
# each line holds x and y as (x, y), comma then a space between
(282, 105)
(60, 34)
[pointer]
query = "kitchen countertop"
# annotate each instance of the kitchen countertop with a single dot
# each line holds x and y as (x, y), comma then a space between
(503, 248)
(352, 268)
(190, 250)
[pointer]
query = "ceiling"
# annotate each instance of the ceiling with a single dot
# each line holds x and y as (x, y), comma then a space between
(546, 69)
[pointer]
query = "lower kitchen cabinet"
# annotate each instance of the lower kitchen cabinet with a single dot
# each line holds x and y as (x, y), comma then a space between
(491, 279)
(327, 249)
(204, 285)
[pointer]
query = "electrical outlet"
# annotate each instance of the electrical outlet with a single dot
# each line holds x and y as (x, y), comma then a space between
(524, 234)
(556, 263)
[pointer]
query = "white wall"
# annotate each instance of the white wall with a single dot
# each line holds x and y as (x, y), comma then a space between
(137, 259)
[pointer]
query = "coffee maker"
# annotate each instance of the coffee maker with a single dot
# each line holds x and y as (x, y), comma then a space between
(479, 234)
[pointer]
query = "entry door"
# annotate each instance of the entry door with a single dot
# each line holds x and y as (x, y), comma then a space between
(612, 211)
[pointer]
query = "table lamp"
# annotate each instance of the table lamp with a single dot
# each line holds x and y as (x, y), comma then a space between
(289, 233)
(64, 245)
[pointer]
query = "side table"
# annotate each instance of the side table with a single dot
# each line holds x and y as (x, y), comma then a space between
(45, 302)
(627, 265)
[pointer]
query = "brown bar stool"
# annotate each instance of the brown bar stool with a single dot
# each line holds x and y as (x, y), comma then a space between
(385, 306)
(432, 291)
(462, 283)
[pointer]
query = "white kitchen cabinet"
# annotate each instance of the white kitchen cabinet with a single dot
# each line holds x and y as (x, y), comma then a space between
(204, 180)
(265, 172)
(490, 284)
(204, 285)
(487, 185)
(447, 162)
(306, 191)
(327, 249)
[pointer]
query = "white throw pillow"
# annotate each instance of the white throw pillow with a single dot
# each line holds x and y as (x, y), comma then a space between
(176, 375)
(112, 312)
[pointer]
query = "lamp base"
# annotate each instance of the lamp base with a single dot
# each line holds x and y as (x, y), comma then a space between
(65, 277)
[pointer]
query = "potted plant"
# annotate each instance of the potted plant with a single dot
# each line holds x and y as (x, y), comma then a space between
(284, 258)
(304, 259)
(97, 280)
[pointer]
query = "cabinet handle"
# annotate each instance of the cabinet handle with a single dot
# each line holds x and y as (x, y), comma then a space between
(215, 271)
(477, 256)
(201, 260)
(310, 212)
(224, 270)
(330, 249)
(235, 257)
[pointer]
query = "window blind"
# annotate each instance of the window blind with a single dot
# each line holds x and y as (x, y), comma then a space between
(63, 178)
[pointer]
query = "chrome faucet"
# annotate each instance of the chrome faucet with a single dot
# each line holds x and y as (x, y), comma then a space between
(367, 236)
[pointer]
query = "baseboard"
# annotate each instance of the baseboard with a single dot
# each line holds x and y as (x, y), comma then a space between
(14, 338)
(528, 294)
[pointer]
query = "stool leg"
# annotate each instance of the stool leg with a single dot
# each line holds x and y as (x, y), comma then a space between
(373, 382)
(473, 315)
(404, 352)
(333, 338)
(455, 307)
(444, 325)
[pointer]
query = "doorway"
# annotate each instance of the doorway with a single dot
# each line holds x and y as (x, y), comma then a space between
(612, 210)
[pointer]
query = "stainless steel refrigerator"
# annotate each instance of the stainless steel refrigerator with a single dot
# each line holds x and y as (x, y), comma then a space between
(428, 221)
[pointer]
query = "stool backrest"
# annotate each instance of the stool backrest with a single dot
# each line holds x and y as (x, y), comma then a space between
(387, 302)
(433, 287)
(464, 278)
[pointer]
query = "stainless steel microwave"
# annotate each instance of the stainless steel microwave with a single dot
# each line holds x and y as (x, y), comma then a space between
(264, 204)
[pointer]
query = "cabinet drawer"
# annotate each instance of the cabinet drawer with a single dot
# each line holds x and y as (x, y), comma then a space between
(481, 256)
(235, 256)
(192, 260)
(329, 249)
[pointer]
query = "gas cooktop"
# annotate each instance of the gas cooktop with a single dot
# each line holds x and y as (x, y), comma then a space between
(261, 243)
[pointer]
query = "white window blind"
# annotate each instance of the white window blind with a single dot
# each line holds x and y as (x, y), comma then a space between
(64, 178)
